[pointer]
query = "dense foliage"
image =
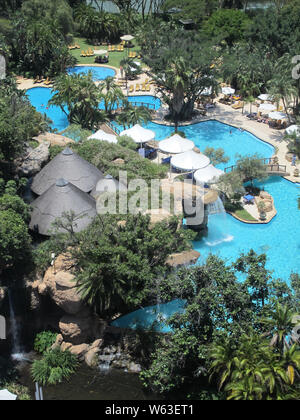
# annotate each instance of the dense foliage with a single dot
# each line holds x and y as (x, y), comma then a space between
(54, 367)
(43, 341)
(221, 339)
(19, 121)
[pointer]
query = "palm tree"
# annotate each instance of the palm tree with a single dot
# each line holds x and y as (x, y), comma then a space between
(280, 324)
(222, 365)
(78, 97)
(282, 86)
(134, 115)
(111, 93)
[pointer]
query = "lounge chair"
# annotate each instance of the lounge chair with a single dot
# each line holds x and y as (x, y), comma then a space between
(83, 54)
(239, 105)
(143, 88)
(47, 81)
(137, 88)
(113, 48)
(131, 89)
(148, 87)
(109, 48)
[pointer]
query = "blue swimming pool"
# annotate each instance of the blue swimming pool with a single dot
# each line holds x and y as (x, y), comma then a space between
(99, 72)
(39, 97)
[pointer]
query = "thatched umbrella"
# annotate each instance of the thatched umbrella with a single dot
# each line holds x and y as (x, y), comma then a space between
(62, 197)
(70, 166)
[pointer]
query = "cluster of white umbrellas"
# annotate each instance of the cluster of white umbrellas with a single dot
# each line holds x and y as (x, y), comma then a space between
(186, 159)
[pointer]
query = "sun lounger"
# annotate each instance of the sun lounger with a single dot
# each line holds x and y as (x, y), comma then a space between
(137, 88)
(148, 87)
(131, 89)
(113, 48)
(239, 105)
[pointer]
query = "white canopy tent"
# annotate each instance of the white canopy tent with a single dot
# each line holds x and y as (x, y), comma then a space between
(228, 91)
(278, 115)
(176, 144)
(293, 129)
(101, 135)
(267, 107)
(208, 175)
(139, 134)
(5, 395)
(190, 161)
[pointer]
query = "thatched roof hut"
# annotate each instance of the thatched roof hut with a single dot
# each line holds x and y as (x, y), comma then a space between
(59, 198)
(70, 166)
(107, 184)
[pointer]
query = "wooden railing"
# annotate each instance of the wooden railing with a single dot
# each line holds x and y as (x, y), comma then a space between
(271, 166)
(144, 104)
(115, 129)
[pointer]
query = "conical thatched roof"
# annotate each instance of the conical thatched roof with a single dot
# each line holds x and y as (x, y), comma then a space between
(59, 198)
(108, 184)
(70, 166)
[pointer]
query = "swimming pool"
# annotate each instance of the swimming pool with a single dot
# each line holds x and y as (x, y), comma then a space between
(99, 72)
(39, 97)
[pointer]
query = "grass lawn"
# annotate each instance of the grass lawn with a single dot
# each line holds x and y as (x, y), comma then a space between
(114, 57)
(244, 215)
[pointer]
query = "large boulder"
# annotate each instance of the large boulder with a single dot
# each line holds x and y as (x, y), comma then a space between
(183, 258)
(34, 161)
(59, 282)
(76, 330)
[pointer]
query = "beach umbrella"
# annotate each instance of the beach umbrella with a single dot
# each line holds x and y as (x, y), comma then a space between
(265, 97)
(70, 166)
(102, 135)
(267, 107)
(277, 115)
(176, 144)
(100, 52)
(127, 38)
(190, 161)
(5, 395)
(62, 197)
(208, 175)
(228, 90)
(293, 129)
(139, 134)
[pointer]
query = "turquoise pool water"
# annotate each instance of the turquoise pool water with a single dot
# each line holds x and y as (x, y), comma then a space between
(39, 97)
(99, 73)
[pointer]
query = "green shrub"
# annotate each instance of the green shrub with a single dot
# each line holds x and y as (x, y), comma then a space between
(43, 341)
(127, 142)
(55, 367)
